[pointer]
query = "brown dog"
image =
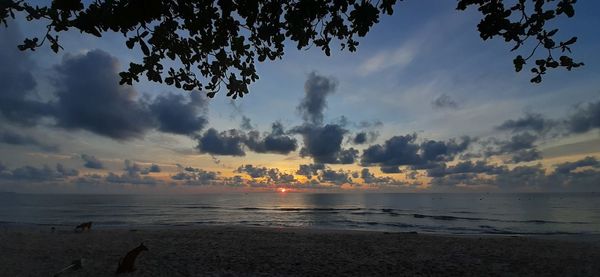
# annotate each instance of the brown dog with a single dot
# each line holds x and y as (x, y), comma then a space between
(86, 226)
(127, 264)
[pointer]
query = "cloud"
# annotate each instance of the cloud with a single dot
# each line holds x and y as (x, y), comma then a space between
(91, 162)
(404, 151)
(10, 137)
(253, 171)
(396, 151)
(390, 169)
(18, 101)
(90, 98)
(370, 178)
(568, 167)
(444, 101)
(309, 170)
(324, 144)
(66, 172)
(177, 115)
(432, 150)
(35, 174)
(526, 155)
(275, 142)
(233, 142)
(520, 146)
(360, 138)
(465, 167)
(271, 176)
(151, 169)
(569, 176)
(585, 118)
(196, 176)
(133, 179)
(228, 143)
(246, 124)
(131, 168)
(399, 57)
(531, 122)
(316, 90)
(336, 177)
(365, 137)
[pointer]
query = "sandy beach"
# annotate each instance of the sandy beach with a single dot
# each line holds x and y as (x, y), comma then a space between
(246, 251)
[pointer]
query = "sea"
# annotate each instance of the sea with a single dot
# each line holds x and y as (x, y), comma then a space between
(526, 214)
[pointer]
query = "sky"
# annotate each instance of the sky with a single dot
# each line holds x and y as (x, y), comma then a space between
(424, 105)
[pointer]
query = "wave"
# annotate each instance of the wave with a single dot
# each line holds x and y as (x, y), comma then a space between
(537, 221)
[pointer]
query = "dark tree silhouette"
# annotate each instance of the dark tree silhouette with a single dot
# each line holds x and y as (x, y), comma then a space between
(217, 42)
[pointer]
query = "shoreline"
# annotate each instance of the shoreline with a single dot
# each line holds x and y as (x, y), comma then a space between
(236, 250)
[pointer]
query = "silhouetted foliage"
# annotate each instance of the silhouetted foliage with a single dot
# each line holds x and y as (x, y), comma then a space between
(526, 20)
(218, 42)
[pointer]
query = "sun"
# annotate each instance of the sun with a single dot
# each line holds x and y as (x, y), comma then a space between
(282, 189)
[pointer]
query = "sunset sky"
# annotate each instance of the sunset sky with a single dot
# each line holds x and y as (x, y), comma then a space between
(424, 105)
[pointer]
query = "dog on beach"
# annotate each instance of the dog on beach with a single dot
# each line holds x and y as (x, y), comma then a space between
(127, 263)
(86, 226)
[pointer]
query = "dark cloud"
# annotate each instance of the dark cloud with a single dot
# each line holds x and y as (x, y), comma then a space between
(132, 168)
(90, 98)
(478, 167)
(396, 151)
(177, 115)
(198, 177)
(390, 169)
(324, 144)
(271, 175)
(444, 101)
(568, 167)
(43, 174)
(18, 101)
(521, 147)
(246, 124)
(227, 143)
(522, 177)
(66, 172)
(432, 150)
(253, 171)
(151, 169)
(585, 118)
(129, 178)
(530, 122)
(526, 155)
(309, 170)
(91, 162)
(365, 137)
(232, 142)
(337, 177)
(518, 142)
(13, 138)
(275, 142)
(370, 178)
(316, 90)
(360, 138)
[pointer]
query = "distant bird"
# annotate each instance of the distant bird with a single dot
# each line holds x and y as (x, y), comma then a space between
(75, 265)
(127, 263)
(83, 227)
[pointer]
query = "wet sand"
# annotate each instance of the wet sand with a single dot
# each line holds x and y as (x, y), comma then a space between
(246, 251)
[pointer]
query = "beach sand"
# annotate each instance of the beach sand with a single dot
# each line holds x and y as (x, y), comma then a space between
(247, 251)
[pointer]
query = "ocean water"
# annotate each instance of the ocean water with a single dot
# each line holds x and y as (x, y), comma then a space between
(431, 213)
